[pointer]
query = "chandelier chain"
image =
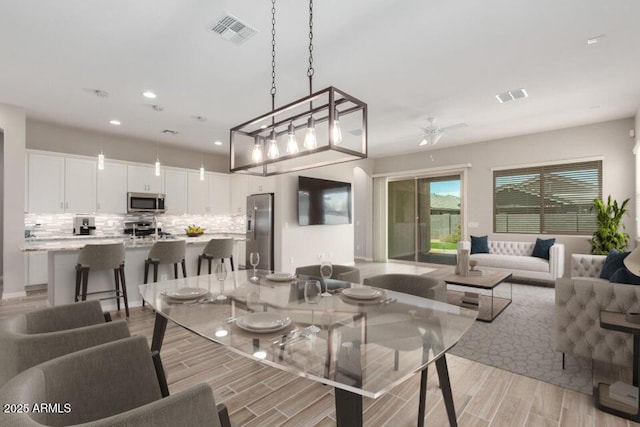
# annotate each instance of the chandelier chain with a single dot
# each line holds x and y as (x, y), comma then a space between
(310, 70)
(273, 54)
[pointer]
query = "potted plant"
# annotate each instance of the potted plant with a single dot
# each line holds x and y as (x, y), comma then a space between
(608, 236)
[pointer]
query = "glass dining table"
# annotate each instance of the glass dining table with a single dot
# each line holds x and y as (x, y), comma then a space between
(361, 341)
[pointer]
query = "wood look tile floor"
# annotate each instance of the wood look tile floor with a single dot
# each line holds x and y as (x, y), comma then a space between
(258, 395)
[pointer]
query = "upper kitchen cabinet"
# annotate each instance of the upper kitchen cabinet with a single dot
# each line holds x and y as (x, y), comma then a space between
(239, 192)
(198, 198)
(143, 179)
(80, 185)
(45, 183)
(112, 188)
(219, 194)
(262, 184)
(175, 189)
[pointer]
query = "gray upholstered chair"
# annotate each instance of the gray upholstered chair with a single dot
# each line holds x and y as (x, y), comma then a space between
(217, 249)
(115, 384)
(32, 338)
(165, 252)
(421, 286)
(345, 273)
(108, 256)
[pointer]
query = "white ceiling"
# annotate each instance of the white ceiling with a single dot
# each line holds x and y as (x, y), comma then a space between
(408, 60)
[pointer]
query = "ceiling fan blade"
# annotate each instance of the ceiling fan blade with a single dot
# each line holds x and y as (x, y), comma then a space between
(452, 127)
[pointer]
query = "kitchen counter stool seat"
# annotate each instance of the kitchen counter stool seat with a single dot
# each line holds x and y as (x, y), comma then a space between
(109, 256)
(217, 249)
(165, 252)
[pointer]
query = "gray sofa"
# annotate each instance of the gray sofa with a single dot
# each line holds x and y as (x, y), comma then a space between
(578, 303)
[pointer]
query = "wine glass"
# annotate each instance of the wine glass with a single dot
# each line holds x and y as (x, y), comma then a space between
(254, 260)
(326, 270)
(221, 275)
(312, 296)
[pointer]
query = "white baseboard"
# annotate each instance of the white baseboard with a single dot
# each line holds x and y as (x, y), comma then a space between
(358, 258)
(9, 295)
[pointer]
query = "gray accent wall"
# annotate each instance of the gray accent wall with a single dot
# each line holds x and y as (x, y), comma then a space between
(608, 140)
(63, 139)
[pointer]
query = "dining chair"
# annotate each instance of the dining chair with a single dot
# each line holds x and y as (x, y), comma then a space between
(421, 286)
(346, 273)
(217, 249)
(35, 337)
(115, 384)
(107, 256)
(165, 252)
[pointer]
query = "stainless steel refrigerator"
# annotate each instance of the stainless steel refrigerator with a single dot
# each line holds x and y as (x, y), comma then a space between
(260, 229)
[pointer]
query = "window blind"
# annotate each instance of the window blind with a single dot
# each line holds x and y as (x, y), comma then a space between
(552, 199)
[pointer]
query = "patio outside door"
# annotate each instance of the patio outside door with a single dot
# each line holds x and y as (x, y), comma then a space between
(424, 219)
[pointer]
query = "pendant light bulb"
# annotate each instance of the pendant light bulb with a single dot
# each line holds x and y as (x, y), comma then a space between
(157, 167)
(336, 135)
(201, 171)
(272, 151)
(292, 142)
(310, 141)
(101, 161)
(256, 155)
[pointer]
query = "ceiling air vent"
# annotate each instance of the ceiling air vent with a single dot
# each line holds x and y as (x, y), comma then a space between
(232, 29)
(511, 95)
(170, 132)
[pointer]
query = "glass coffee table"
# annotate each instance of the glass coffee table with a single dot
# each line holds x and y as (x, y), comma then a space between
(353, 344)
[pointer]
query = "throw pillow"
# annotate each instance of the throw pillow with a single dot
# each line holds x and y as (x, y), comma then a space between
(623, 275)
(613, 262)
(541, 249)
(479, 245)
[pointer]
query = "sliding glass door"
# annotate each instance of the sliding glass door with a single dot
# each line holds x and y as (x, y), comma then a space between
(424, 219)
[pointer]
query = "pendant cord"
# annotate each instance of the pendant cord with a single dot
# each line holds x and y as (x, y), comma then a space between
(310, 70)
(273, 58)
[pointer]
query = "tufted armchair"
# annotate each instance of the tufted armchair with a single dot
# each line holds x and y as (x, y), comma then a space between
(578, 303)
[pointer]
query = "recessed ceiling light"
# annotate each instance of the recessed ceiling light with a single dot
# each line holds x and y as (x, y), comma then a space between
(115, 122)
(217, 142)
(149, 94)
(511, 95)
(595, 39)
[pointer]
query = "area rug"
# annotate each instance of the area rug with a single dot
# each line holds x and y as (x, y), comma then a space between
(520, 340)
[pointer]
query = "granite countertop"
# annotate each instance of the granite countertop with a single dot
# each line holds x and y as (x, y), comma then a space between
(69, 242)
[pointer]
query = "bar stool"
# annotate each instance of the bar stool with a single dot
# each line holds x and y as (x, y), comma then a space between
(165, 252)
(108, 256)
(217, 249)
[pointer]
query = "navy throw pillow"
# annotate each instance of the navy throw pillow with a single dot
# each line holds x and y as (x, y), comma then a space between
(479, 245)
(541, 249)
(613, 262)
(623, 275)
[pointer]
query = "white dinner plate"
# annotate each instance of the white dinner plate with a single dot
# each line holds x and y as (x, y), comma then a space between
(186, 293)
(280, 277)
(263, 322)
(362, 293)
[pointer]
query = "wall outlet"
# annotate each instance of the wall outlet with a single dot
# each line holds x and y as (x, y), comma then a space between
(291, 260)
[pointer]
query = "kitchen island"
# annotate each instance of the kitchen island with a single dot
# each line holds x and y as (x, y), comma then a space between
(62, 257)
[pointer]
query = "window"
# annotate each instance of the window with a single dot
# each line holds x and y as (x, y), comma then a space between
(553, 199)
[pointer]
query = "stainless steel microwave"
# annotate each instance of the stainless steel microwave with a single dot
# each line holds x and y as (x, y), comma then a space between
(145, 202)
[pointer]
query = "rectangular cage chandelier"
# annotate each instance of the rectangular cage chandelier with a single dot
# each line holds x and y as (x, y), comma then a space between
(324, 128)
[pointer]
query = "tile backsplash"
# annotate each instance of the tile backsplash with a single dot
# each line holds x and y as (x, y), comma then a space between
(61, 225)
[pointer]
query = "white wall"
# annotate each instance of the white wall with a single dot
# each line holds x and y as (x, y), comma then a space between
(609, 140)
(12, 125)
(63, 139)
(363, 213)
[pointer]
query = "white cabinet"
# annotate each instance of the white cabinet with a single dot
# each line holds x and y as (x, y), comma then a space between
(262, 184)
(37, 268)
(239, 185)
(80, 185)
(198, 198)
(239, 254)
(112, 188)
(218, 194)
(45, 183)
(143, 179)
(175, 189)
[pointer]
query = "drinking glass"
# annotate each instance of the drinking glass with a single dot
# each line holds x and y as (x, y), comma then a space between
(326, 270)
(254, 260)
(221, 275)
(312, 291)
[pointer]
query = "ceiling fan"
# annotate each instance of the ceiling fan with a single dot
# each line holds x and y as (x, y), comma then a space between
(432, 133)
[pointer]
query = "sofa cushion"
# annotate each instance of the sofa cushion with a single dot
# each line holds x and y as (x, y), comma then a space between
(623, 275)
(541, 249)
(479, 245)
(613, 262)
(512, 262)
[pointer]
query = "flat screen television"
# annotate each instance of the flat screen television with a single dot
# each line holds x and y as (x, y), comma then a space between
(323, 202)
